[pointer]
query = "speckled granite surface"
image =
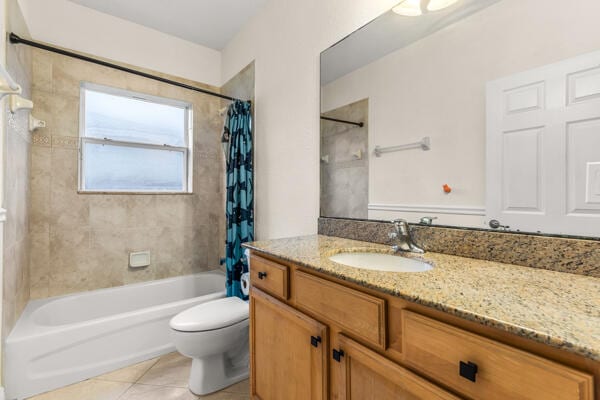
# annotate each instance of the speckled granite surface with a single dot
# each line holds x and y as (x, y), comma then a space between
(576, 256)
(558, 309)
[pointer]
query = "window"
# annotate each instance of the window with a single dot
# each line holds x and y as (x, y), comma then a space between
(132, 142)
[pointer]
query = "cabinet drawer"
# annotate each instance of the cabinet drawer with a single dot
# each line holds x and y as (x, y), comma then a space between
(499, 371)
(269, 276)
(358, 314)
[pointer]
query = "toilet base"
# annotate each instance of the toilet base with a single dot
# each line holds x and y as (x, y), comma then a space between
(209, 374)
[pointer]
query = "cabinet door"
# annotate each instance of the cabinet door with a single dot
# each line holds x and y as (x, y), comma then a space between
(367, 375)
(288, 352)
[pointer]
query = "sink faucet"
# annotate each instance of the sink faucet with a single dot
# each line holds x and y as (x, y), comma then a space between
(401, 232)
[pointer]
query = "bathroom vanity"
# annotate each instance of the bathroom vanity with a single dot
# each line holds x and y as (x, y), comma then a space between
(467, 328)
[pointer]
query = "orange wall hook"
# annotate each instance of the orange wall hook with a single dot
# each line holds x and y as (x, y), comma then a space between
(447, 189)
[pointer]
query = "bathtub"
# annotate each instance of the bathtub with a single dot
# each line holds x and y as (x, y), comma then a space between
(63, 340)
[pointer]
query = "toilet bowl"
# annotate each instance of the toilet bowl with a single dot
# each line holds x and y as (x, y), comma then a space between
(215, 336)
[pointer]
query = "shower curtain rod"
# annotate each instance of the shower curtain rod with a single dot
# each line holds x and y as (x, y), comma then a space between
(361, 124)
(15, 39)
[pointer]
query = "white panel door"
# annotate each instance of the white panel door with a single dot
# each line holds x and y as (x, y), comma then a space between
(543, 148)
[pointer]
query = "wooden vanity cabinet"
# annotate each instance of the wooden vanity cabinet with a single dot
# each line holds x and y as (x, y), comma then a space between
(270, 277)
(316, 337)
(288, 352)
(486, 369)
(366, 375)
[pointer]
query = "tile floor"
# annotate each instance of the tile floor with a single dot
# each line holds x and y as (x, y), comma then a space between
(163, 378)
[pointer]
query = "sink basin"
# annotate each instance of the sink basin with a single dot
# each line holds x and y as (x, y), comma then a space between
(380, 262)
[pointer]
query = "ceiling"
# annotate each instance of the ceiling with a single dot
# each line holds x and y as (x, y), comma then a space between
(387, 33)
(210, 23)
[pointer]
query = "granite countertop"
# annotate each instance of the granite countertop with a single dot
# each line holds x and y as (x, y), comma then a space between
(555, 308)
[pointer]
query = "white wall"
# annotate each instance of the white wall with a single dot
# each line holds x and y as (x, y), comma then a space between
(2, 210)
(66, 24)
(285, 39)
(436, 87)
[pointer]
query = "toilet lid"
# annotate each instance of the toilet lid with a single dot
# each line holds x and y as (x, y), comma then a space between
(211, 315)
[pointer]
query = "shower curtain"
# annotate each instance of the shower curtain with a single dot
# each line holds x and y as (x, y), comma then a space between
(239, 208)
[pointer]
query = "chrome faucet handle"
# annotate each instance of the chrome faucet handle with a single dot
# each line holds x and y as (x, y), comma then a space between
(404, 237)
(495, 224)
(401, 225)
(427, 220)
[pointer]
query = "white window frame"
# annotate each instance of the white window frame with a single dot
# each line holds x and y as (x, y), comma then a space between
(188, 156)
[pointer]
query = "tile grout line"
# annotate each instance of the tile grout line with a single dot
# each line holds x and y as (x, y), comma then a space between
(125, 391)
(132, 384)
(149, 368)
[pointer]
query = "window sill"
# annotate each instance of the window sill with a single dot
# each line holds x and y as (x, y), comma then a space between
(133, 193)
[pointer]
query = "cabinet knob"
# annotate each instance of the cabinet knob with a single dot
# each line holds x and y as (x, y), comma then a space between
(338, 354)
(262, 275)
(315, 340)
(468, 370)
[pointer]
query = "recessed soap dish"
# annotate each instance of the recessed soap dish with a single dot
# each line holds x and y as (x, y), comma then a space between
(139, 259)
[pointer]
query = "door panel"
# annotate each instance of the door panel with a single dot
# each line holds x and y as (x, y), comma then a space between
(543, 148)
(366, 375)
(284, 362)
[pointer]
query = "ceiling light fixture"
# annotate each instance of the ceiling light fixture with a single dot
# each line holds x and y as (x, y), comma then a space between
(435, 5)
(414, 8)
(408, 8)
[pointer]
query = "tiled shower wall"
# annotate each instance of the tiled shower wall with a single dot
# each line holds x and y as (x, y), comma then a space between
(344, 175)
(16, 201)
(81, 242)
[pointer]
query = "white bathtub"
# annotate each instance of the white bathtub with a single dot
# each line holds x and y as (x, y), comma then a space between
(63, 340)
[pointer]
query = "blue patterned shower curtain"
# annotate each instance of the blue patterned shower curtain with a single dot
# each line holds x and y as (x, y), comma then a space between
(240, 192)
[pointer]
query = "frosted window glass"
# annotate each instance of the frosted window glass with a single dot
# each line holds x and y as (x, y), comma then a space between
(125, 168)
(132, 120)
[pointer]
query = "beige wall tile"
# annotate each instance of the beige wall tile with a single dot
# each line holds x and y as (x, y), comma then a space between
(41, 71)
(39, 263)
(106, 212)
(344, 179)
(16, 238)
(61, 112)
(89, 236)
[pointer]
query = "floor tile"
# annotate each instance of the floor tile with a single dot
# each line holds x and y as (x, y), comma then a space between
(88, 390)
(129, 374)
(225, 396)
(151, 392)
(163, 378)
(240, 387)
(170, 370)
(141, 391)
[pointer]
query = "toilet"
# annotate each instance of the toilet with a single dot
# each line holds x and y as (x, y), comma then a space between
(215, 336)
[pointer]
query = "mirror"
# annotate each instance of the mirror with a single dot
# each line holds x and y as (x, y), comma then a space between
(483, 114)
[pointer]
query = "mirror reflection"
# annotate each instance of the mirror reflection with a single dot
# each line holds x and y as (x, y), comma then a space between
(473, 113)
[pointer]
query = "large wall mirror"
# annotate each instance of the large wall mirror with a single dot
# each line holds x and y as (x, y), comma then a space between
(471, 113)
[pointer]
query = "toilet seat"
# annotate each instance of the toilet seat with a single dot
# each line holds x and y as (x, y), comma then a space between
(212, 315)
